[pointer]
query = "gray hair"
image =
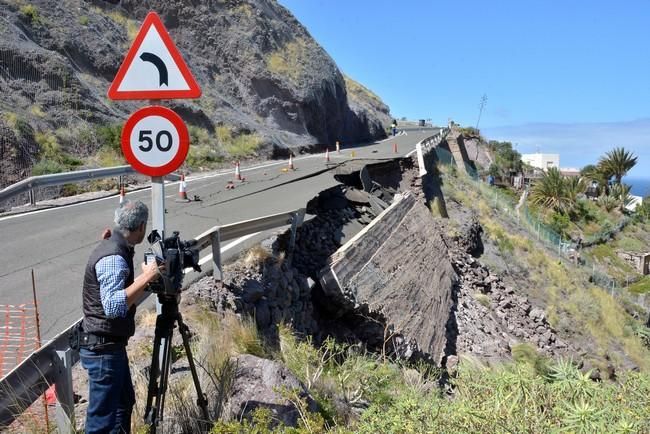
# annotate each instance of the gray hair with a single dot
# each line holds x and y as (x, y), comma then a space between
(130, 215)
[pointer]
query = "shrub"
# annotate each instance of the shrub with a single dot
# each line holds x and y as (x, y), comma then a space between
(110, 136)
(30, 12)
(45, 167)
(560, 223)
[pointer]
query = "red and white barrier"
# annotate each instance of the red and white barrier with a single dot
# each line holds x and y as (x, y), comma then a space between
(122, 198)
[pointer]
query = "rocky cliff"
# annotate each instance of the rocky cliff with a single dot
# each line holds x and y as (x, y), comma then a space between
(260, 71)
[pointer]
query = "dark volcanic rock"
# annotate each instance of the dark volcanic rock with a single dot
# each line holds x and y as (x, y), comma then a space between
(259, 69)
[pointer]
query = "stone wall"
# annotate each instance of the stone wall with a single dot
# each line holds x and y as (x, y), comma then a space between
(640, 261)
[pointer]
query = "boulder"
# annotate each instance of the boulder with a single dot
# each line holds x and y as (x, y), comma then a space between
(258, 383)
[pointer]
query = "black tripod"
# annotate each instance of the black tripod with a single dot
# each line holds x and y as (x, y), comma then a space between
(165, 323)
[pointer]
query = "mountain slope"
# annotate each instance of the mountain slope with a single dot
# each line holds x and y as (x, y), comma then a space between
(260, 71)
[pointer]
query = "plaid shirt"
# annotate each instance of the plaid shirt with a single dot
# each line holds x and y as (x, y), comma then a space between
(112, 272)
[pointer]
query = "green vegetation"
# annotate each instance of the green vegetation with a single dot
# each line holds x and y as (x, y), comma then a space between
(506, 159)
(240, 145)
(360, 92)
(52, 158)
(572, 303)
(641, 286)
(289, 60)
(30, 12)
(533, 394)
(616, 163)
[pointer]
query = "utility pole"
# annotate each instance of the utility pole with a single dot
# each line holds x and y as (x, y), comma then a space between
(481, 106)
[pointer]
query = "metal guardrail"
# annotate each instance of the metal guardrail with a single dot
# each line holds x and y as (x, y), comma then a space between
(426, 145)
(52, 363)
(31, 183)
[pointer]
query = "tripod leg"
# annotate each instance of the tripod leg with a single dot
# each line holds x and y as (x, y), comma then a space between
(159, 371)
(201, 400)
(164, 373)
(150, 412)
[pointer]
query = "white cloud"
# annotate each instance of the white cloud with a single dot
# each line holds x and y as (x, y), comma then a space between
(581, 143)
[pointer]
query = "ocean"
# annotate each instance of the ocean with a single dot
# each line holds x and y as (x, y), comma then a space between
(640, 186)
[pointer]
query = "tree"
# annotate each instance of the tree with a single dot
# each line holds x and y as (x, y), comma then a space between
(550, 191)
(505, 157)
(617, 163)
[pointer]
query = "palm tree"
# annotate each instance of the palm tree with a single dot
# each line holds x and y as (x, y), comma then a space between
(574, 187)
(617, 163)
(551, 191)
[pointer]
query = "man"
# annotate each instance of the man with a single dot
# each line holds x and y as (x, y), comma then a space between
(110, 292)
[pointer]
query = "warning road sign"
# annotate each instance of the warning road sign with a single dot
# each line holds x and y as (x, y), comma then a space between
(153, 67)
(155, 141)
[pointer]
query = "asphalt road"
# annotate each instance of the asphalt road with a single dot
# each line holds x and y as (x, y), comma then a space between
(56, 242)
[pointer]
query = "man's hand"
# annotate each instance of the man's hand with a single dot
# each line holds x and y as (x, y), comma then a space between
(150, 271)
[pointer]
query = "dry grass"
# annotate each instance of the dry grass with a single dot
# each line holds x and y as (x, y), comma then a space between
(256, 256)
(289, 61)
(215, 340)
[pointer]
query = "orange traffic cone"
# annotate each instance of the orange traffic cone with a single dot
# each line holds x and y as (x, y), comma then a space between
(182, 191)
(291, 162)
(237, 172)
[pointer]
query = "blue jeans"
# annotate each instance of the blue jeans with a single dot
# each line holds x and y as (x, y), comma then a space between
(110, 395)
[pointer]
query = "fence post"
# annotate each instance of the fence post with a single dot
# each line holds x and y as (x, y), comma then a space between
(64, 394)
(215, 239)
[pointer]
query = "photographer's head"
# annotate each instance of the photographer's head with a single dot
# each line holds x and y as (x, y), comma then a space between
(131, 221)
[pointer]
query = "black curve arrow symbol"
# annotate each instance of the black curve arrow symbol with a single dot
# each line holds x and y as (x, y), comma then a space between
(159, 64)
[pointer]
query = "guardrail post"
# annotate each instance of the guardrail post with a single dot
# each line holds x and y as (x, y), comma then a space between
(423, 170)
(296, 222)
(65, 397)
(216, 256)
(32, 197)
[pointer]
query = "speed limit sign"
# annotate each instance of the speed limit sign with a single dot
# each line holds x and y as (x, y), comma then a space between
(155, 141)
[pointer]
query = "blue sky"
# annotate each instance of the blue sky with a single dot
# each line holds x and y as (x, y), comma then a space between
(566, 76)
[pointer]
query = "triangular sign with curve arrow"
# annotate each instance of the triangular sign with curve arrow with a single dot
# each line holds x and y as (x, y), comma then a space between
(153, 68)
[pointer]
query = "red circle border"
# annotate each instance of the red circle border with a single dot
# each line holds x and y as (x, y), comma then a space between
(181, 129)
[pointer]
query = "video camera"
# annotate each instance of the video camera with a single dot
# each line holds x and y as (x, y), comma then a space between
(176, 255)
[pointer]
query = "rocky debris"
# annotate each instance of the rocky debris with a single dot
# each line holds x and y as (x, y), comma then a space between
(271, 291)
(340, 213)
(262, 383)
(489, 317)
(477, 150)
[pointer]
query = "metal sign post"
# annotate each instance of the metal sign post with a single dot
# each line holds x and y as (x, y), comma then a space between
(155, 142)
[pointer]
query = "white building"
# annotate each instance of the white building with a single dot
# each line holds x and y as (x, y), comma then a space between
(542, 161)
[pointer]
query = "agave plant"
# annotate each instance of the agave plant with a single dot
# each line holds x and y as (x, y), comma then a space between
(574, 187)
(551, 192)
(621, 193)
(617, 163)
(608, 202)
